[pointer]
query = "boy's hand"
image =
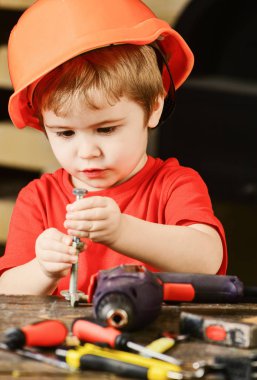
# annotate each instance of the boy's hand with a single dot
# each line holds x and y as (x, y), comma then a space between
(97, 218)
(55, 253)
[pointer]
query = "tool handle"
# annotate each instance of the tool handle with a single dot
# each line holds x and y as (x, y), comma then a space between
(188, 287)
(98, 363)
(121, 368)
(72, 357)
(161, 345)
(48, 333)
(87, 331)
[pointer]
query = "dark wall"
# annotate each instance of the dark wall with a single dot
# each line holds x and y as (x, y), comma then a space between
(8, 18)
(214, 126)
(12, 179)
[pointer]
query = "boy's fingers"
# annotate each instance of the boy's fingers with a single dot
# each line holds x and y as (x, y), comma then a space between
(87, 203)
(56, 235)
(79, 225)
(87, 233)
(80, 234)
(57, 257)
(91, 214)
(57, 246)
(67, 240)
(57, 267)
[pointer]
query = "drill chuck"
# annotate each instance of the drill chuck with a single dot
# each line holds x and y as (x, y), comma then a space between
(116, 310)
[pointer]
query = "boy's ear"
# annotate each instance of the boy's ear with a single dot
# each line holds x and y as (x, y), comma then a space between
(156, 113)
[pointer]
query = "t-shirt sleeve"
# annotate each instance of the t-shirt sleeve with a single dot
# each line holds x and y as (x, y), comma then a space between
(25, 226)
(188, 202)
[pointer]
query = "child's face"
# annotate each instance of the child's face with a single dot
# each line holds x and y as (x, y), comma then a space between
(101, 147)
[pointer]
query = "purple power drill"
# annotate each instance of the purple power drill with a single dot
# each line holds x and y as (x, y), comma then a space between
(130, 296)
(127, 297)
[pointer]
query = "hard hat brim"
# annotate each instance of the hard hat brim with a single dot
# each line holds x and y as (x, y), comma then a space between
(179, 58)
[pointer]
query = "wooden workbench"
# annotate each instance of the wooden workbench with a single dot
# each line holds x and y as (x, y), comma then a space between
(18, 311)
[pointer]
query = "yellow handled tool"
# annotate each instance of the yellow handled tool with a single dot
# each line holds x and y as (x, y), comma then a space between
(122, 363)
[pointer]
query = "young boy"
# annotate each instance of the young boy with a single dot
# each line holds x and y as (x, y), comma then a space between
(91, 79)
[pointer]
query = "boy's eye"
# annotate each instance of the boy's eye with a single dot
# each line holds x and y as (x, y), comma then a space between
(67, 133)
(106, 130)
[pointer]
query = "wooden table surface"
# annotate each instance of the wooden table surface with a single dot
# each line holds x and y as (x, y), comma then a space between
(18, 311)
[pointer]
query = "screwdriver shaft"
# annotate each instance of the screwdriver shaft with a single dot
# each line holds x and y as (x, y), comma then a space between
(73, 288)
(37, 356)
(73, 279)
(153, 354)
(73, 294)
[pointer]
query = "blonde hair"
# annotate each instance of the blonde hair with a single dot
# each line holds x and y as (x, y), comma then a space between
(121, 70)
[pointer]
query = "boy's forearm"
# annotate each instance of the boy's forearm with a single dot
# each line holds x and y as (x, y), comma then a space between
(27, 279)
(170, 248)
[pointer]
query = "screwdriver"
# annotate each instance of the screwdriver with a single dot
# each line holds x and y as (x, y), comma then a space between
(91, 332)
(46, 333)
(122, 363)
(37, 356)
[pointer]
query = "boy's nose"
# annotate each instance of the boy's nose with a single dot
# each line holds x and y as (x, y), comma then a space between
(88, 149)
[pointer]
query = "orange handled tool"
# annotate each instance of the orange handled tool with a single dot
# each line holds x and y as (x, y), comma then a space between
(47, 333)
(91, 332)
(94, 333)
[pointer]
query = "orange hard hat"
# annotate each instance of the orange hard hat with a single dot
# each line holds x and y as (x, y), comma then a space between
(51, 32)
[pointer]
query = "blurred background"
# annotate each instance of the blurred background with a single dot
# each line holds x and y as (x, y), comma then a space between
(213, 129)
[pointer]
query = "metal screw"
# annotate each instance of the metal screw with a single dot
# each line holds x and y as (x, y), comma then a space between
(79, 193)
(73, 294)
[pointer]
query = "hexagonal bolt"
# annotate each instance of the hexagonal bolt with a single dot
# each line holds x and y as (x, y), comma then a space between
(79, 193)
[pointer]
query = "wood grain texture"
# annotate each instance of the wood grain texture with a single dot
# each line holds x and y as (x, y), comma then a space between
(18, 311)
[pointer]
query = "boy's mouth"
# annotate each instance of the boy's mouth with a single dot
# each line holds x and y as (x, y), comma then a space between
(94, 173)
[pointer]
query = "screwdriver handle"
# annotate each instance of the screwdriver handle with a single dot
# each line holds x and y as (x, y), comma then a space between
(98, 363)
(48, 333)
(87, 331)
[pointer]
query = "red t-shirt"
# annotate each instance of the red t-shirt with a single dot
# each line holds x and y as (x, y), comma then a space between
(162, 192)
